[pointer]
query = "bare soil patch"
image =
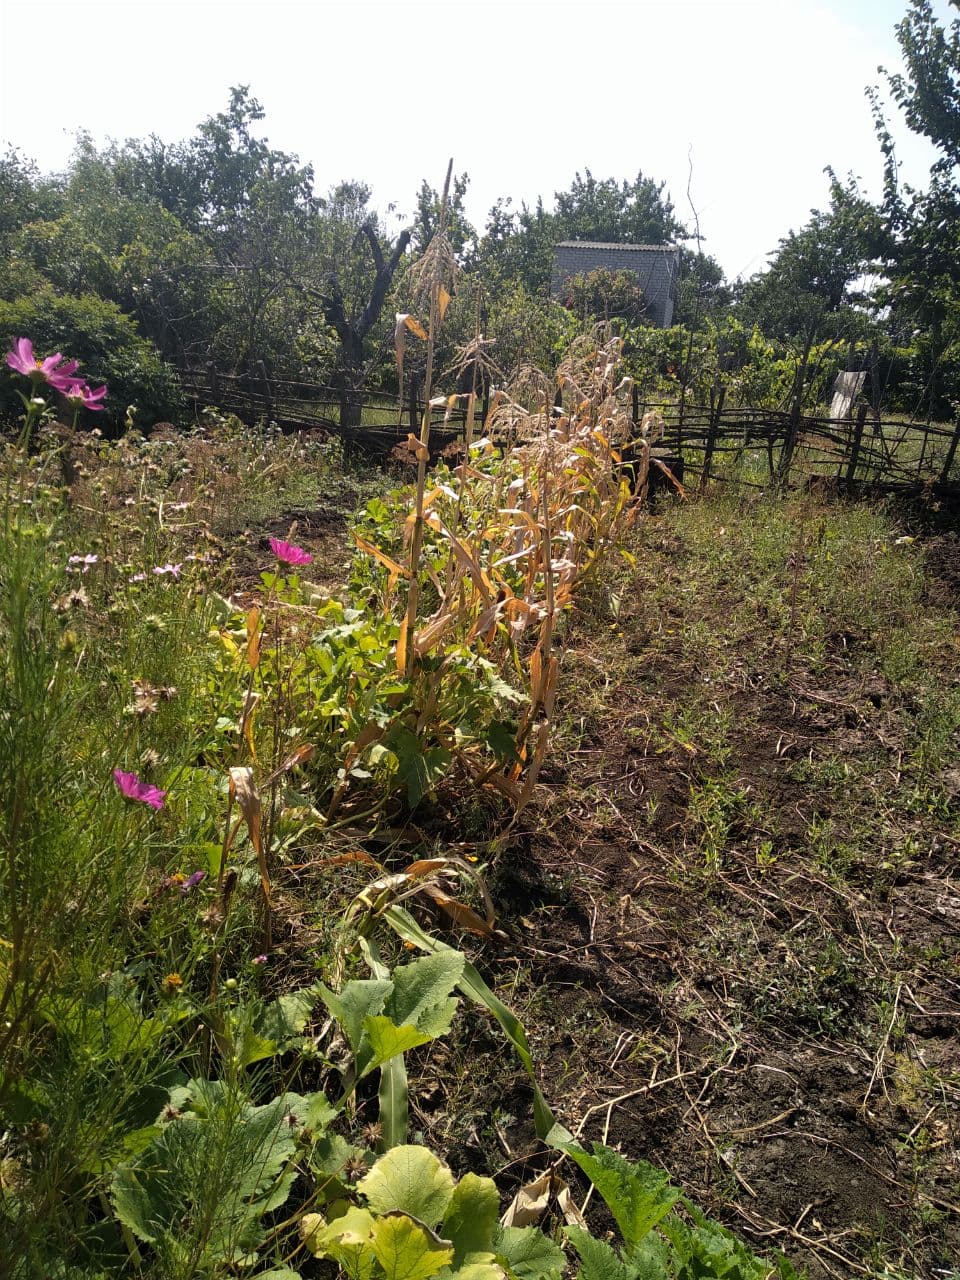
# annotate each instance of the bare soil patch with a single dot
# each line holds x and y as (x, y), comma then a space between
(735, 924)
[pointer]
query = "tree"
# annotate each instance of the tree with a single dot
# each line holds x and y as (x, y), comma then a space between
(350, 276)
(520, 245)
(605, 295)
(810, 290)
(460, 232)
(922, 252)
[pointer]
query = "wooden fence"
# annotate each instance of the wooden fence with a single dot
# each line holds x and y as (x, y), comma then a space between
(764, 447)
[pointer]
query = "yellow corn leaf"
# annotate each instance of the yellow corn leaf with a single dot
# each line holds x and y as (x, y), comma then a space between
(229, 643)
(414, 325)
(246, 720)
(243, 790)
(253, 638)
(382, 557)
(536, 676)
(443, 301)
(470, 563)
(402, 647)
(419, 451)
(425, 867)
(429, 636)
(404, 322)
(344, 859)
(523, 516)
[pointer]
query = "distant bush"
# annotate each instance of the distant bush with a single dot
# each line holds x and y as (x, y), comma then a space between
(109, 348)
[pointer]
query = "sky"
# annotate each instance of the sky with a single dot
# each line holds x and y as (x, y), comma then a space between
(736, 105)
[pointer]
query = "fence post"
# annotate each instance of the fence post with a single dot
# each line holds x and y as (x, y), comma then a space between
(789, 444)
(265, 383)
(951, 454)
(713, 427)
(855, 443)
(636, 405)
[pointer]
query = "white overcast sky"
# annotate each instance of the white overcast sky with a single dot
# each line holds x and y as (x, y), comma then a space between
(758, 95)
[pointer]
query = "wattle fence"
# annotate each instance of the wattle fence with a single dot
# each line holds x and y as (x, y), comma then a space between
(761, 447)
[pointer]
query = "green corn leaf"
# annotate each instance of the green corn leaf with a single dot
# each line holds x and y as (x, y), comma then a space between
(394, 1109)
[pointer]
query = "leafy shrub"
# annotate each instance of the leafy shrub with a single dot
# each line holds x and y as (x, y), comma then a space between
(108, 346)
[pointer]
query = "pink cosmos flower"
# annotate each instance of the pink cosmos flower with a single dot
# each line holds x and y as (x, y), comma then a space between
(82, 396)
(172, 569)
(131, 788)
(80, 564)
(54, 370)
(289, 552)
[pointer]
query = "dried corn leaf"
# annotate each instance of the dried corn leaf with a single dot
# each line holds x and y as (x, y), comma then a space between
(459, 912)
(530, 1203)
(419, 450)
(253, 638)
(250, 702)
(396, 570)
(244, 791)
(300, 756)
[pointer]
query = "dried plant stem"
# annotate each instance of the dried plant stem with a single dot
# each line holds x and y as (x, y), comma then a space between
(423, 453)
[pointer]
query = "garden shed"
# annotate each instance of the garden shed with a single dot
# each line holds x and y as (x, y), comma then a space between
(656, 266)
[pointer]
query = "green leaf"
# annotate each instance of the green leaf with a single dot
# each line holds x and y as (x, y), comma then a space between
(346, 1239)
(501, 738)
(285, 1019)
(406, 1250)
(637, 1194)
(313, 1110)
(220, 1150)
(409, 1180)
(480, 1266)
(358, 1000)
(254, 1048)
(421, 990)
(471, 1220)
(420, 769)
(598, 1260)
(386, 1040)
(708, 1249)
(528, 1254)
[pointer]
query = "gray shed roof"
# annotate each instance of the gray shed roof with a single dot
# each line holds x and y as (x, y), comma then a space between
(625, 248)
(657, 267)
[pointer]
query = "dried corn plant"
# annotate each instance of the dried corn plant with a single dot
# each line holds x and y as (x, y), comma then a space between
(499, 546)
